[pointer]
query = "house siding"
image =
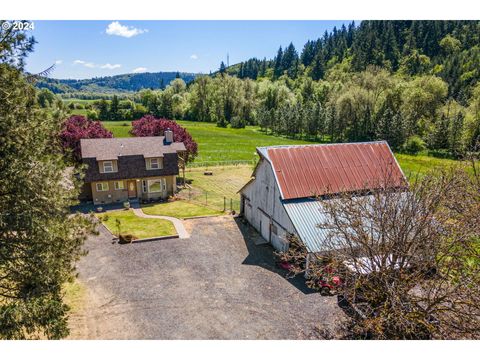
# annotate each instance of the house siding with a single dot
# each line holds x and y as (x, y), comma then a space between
(262, 201)
(112, 195)
(130, 167)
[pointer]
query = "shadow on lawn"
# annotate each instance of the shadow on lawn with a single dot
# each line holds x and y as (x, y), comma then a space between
(263, 256)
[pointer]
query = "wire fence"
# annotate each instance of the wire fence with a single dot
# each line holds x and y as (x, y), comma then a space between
(208, 164)
(211, 200)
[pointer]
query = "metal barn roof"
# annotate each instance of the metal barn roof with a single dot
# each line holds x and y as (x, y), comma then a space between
(305, 215)
(315, 170)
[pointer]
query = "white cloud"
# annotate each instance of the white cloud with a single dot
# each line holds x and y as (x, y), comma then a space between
(194, 56)
(115, 28)
(110, 66)
(139, 69)
(91, 65)
(84, 63)
(58, 62)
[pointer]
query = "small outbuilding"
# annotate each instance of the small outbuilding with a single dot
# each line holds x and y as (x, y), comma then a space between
(291, 183)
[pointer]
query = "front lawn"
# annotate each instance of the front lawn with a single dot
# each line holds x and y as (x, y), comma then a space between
(130, 224)
(179, 209)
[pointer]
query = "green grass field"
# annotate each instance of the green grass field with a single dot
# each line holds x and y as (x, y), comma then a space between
(118, 128)
(413, 165)
(180, 209)
(78, 101)
(130, 224)
(225, 144)
(218, 144)
(219, 190)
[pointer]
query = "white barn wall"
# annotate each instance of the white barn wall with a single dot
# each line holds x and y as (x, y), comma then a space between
(263, 196)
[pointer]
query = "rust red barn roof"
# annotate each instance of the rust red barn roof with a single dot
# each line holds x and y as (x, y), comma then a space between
(316, 170)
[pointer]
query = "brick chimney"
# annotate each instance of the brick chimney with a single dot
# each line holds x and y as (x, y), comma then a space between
(168, 136)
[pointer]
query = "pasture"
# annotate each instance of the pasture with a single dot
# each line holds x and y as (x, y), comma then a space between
(218, 144)
(226, 145)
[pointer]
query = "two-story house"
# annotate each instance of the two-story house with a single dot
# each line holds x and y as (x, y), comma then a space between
(119, 169)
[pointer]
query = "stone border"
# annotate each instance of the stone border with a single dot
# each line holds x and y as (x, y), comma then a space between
(154, 239)
(115, 237)
(203, 216)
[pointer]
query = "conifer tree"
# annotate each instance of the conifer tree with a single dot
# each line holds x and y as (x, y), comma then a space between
(39, 240)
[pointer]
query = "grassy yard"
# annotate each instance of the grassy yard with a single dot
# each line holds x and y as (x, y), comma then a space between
(180, 209)
(215, 191)
(136, 226)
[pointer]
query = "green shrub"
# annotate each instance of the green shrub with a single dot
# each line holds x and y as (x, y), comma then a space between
(413, 145)
(92, 115)
(237, 122)
(126, 239)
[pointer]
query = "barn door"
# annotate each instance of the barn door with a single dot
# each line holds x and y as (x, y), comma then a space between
(247, 210)
(265, 226)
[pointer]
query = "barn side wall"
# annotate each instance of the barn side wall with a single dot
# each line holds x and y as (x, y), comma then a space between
(262, 202)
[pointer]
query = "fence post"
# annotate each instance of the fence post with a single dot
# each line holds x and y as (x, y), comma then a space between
(231, 206)
(224, 203)
(206, 198)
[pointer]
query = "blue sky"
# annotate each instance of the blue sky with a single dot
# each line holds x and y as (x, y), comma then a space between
(84, 49)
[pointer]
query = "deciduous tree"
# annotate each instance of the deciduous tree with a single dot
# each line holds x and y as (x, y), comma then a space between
(150, 126)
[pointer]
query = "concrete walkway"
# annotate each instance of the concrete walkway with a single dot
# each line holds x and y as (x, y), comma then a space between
(181, 231)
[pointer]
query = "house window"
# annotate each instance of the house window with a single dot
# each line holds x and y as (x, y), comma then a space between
(119, 185)
(103, 186)
(154, 164)
(164, 184)
(108, 166)
(154, 186)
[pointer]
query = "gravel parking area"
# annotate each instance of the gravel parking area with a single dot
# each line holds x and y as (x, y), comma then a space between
(215, 285)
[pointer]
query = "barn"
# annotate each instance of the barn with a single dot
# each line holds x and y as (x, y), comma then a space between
(290, 185)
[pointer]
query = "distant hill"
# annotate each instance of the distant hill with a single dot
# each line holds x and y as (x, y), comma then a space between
(114, 84)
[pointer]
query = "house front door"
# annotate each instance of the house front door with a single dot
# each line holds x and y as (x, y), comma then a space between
(132, 189)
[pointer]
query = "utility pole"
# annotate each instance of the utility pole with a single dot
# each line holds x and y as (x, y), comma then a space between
(228, 60)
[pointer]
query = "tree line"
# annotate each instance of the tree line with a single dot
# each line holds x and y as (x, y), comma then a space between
(448, 49)
(410, 112)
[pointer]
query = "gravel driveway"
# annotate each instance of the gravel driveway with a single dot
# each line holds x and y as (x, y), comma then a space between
(215, 285)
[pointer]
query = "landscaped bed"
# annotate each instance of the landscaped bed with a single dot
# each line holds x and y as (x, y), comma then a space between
(140, 228)
(179, 209)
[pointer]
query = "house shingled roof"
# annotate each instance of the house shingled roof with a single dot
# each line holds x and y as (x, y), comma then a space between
(112, 148)
(315, 170)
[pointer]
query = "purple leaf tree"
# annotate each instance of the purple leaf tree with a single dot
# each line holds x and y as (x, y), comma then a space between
(78, 127)
(150, 126)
